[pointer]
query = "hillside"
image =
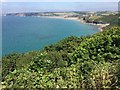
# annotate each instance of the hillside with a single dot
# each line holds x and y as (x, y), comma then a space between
(90, 62)
(113, 20)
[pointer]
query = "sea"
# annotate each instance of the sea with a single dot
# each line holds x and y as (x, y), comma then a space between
(24, 34)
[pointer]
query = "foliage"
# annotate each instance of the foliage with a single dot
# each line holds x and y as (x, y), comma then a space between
(112, 19)
(90, 62)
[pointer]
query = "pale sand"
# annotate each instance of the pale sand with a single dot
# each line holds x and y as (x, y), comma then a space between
(62, 17)
(101, 26)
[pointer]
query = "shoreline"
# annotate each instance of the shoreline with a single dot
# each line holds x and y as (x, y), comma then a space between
(62, 17)
(100, 26)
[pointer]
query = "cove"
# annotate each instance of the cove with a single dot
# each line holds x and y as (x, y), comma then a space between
(23, 34)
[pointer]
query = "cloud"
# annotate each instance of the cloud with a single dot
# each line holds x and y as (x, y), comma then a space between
(2, 0)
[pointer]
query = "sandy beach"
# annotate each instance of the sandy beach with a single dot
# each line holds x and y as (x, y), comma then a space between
(62, 17)
(101, 26)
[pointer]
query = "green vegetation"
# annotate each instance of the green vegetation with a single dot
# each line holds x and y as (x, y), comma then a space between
(112, 19)
(90, 62)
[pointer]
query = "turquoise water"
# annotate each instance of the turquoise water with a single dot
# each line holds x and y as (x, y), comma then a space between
(22, 34)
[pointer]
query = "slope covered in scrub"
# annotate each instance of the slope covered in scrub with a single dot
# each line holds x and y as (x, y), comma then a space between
(85, 62)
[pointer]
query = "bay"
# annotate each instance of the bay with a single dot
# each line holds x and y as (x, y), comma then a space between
(23, 34)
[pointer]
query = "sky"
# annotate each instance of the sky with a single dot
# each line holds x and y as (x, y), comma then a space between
(59, 0)
(13, 7)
